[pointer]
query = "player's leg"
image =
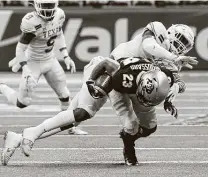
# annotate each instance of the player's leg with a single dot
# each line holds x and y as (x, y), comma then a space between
(22, 98)
(87, 106)
(146, 116)
(9, 93)
(147, 125)
(123, 107)
(56, 78)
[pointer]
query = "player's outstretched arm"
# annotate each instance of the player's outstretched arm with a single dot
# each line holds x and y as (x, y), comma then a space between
(150, 46)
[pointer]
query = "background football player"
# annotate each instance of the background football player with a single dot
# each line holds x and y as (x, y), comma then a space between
(41, 30)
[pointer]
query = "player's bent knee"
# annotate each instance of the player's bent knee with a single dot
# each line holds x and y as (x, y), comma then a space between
(145, 132)
(81, 115)
(24, 103)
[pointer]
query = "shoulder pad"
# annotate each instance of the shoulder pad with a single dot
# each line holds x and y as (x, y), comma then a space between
(30, 23)
(61, 15)
(160, 33)
(156, 27)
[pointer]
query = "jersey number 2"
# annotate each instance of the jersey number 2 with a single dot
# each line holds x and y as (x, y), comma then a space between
(50, 44)
(127, 80)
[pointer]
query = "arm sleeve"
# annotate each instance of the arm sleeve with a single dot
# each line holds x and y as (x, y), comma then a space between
(20, 52)
(108, 65)
(61, 44)
(153, 48)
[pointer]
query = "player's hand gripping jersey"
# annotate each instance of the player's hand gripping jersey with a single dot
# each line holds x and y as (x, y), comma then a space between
(41, 46)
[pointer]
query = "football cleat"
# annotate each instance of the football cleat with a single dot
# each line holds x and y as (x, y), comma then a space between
(130, 156)
(26, 147)
(77, 131)
(129, 148)
(11, 142)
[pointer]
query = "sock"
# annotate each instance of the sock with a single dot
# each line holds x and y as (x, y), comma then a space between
(50, 133)
(60, 120)
(9, 93)
(64, 103)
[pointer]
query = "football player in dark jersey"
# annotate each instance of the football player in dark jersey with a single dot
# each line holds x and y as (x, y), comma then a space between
(138, 86)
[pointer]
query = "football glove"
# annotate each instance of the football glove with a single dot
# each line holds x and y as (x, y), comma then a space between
(94, 91)
(173, 92)
(170, 108)
(14, 64)
(186, 61)
(70, 65)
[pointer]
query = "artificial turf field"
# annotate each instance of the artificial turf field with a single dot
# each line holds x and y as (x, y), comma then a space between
(179, 148)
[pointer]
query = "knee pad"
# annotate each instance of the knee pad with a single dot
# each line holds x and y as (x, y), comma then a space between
(23, 103)
(144, 132)
(81, 115)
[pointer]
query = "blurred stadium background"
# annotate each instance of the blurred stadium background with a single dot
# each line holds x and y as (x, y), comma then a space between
(92, 28)
(95, 27)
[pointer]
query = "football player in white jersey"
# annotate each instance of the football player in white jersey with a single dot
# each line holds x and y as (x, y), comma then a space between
(41, 30)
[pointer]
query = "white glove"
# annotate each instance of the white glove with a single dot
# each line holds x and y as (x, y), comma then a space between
(30, 82)
(173, 92)
(14, 64)
(70, 65)
(186, 61)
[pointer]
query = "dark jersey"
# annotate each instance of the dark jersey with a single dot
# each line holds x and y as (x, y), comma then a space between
(125, 79)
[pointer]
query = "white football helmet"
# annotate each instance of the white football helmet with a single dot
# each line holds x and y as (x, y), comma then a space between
(181, 39)
(46, 8)
(153, 88)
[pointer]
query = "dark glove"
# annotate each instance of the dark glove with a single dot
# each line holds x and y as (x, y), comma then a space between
(94, 91)
(169, 107)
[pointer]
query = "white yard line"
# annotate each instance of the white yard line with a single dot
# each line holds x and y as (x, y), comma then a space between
(67, 136)
(119, 148)
(107, 162)
(54, 108)
(165, 125)
(96, 116)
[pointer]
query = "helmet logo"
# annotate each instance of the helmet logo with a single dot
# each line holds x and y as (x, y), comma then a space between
(149, 86)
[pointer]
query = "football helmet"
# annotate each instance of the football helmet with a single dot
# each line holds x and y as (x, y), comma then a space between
(181, 39)
(153, 88)
(46, 8)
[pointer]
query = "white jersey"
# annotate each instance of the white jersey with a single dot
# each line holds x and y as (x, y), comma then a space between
(46, 32)
(134, 47)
